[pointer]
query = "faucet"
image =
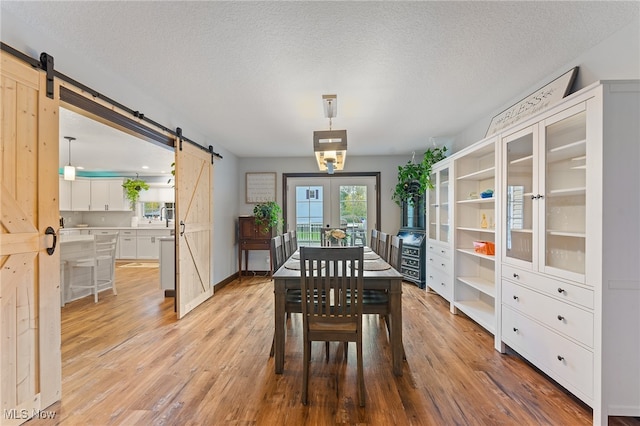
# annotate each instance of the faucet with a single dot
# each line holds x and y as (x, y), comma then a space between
(166, 217)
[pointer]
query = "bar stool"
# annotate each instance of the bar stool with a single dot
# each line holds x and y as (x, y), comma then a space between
(103, 254)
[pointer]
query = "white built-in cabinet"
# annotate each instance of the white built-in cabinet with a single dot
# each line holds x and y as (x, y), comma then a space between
(475, 278)
(563, 288)
(92, 195)
(438, 249)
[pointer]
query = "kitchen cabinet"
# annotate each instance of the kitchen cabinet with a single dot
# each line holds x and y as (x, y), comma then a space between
(108, 195)
(158, 194)
(127, 244)
(64, 194)
(148, 243)
(251, 236)
(80, 195)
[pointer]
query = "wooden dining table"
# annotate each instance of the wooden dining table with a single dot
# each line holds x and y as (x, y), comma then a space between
(288, 277)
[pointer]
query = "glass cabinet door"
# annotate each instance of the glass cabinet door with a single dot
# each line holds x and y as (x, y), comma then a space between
(565, 194)
(520, 196)
(432, 210)
(443, 205)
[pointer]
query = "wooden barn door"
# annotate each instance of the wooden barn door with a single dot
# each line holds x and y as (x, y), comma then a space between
(30, 357)
(194, 218)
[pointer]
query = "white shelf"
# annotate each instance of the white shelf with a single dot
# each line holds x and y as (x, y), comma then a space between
(477, 201)
(567, 234)
(480, 312)
(564, 152)
(472, 252)
(487, 230)
(482, 285)
(525, 160)
(480, 174)
(523, 231)
(567, 191)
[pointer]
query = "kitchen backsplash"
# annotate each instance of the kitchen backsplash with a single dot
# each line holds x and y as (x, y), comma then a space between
(107, 219)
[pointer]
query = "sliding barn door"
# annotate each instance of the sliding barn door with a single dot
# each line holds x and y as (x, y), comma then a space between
(30, 359)
(194, 216)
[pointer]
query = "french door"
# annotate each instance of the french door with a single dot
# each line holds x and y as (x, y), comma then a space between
(317, 203)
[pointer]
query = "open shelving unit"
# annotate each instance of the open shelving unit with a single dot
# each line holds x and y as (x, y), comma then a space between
(475, 290)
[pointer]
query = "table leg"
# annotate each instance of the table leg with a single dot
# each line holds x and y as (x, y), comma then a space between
(395, 301)
(279, 309)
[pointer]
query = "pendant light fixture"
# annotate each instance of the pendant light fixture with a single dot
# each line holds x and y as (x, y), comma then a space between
(69, 170)
(330, 146)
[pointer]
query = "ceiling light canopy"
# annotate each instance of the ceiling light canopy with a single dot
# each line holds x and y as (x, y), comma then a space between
(330, 146)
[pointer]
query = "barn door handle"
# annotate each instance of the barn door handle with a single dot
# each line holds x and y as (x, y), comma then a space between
(50, 231)
(182, 225)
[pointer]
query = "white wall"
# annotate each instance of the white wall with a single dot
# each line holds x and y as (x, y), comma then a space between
(616, 58)
(387, 166)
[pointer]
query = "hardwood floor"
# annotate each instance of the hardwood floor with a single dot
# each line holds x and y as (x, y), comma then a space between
(126, 361)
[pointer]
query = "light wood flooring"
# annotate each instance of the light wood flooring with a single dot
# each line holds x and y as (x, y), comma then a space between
(127, 361)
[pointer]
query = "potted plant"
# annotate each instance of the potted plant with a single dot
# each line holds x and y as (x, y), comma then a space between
(414, 178)
(268, 214)
(132, 189)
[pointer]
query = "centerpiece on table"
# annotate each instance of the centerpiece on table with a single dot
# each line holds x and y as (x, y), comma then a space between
(335, 236)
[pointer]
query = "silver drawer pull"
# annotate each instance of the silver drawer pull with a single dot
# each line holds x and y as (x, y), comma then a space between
(560, 358)
(515, 330)
(561, 290)
(560, 318)
(516, 275)
(515, 297)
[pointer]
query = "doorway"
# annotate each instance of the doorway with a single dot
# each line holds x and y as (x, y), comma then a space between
(319, 202)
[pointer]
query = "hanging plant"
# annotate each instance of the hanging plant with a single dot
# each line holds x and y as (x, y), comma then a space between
(268, 214)
(414, 178)
(132, 188)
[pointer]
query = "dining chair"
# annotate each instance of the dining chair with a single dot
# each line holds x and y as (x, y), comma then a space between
(286, 245)
(383, 246)
(374, 240)
(395, 252)
(293, 298)
(334, 272)
(294, 240)
(101, 263)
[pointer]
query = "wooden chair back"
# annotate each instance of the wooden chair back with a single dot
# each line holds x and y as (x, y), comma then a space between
(294, 240)
(286, 244)
(395, 252)
(277, 254)
(374, 240)
(383, 245)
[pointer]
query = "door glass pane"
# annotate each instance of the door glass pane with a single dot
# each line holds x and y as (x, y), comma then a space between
(565, 191)
(309, 214)
(432, 217)
(353, 213)
(519, 214)
(443, 194)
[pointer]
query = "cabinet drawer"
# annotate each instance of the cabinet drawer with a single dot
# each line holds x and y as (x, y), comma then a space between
(438, 262)
(566, 362)
(410, 251)
(411, 262)
(569, 320)
(440, 282)
(163, 232)
(559, 289)
(439, 250)
(410, 273)
(127, 233)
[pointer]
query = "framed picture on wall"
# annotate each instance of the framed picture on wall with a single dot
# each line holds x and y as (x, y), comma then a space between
(260, 187)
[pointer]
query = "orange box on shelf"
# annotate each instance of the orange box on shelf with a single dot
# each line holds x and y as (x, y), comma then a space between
(484, 247)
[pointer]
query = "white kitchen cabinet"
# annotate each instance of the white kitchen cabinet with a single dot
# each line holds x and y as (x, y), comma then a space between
(127, 244)
(570, 276)
(158, 194)
(148, 243)
(64, 194)
(108, 195)
(80, 194)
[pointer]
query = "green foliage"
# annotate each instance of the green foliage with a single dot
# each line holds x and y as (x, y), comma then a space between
(268, 214)
(132, 189)
(414, 178)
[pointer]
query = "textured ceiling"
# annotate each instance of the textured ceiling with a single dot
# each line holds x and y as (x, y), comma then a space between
(250, 75)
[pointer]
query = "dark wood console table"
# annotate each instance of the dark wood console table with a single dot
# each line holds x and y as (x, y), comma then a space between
(251, 237)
